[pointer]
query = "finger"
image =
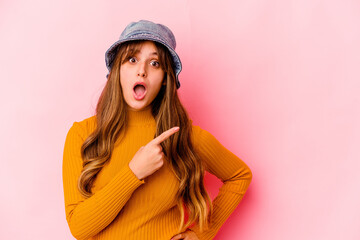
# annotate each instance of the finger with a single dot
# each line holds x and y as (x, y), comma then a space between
(165, 135)
(179, 236)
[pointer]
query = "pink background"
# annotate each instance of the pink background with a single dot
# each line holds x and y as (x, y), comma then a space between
(277, 82)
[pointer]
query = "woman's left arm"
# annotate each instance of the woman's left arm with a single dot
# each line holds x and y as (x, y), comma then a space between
(230, 169)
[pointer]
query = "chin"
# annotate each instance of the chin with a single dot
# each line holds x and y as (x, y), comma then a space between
(138, 107)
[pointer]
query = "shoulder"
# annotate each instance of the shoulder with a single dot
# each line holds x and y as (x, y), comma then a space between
(84, 127)
(201, 136)
(205, 142)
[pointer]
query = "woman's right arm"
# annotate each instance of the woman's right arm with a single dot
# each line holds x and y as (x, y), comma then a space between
(87, 217)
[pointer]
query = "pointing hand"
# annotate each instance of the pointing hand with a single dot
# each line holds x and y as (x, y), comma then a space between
(150, 158)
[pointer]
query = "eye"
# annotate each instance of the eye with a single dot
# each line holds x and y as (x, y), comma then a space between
(155, 63)
(132, 59)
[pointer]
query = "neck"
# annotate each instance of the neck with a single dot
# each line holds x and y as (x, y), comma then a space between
(140, 117)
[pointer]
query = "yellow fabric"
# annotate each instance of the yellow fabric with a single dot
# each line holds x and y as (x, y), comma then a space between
(124, 207)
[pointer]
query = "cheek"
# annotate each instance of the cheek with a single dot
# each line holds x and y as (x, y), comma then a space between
(158, 80)
(160, 77)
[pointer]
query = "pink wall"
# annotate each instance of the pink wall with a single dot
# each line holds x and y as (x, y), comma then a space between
(277, 82)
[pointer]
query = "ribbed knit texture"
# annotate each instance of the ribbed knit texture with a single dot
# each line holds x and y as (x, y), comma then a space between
(124, 207)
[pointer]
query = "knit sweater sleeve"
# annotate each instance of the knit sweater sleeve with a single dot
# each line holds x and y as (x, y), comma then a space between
(86, 217)
(231, 170)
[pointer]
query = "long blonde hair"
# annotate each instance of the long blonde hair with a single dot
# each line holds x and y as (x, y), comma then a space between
(168, 112)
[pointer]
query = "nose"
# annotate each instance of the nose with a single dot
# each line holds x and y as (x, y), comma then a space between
(142, 70)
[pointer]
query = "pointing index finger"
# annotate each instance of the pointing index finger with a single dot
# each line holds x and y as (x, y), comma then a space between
(165, 135)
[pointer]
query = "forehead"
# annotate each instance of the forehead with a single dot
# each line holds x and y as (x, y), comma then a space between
(146, 47)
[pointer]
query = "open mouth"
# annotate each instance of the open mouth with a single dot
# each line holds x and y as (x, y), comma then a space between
(139, 90)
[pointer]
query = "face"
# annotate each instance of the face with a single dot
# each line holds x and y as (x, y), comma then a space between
(141, 77)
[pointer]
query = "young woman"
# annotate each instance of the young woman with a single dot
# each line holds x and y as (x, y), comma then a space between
(135, 169)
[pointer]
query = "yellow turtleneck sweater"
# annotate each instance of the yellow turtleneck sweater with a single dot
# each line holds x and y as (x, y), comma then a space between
(124, 207)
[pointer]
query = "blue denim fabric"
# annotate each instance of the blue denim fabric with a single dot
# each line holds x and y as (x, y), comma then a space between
(146, 30)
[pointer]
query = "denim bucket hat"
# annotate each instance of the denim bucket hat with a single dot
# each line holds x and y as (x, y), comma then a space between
(146, 30)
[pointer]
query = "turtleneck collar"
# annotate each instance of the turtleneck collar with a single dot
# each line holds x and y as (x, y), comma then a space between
(141, 117)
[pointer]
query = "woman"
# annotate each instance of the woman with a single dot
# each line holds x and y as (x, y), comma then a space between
(135, 169)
